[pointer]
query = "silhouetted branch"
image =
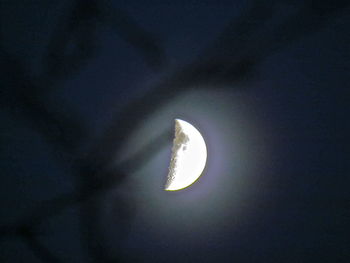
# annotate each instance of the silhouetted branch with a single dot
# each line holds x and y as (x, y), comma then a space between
(148, 45)
(74, 40)
(39, 250)
(140, 158)
(62, 130)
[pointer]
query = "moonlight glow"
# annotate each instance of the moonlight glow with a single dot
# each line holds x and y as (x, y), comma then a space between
(189, 155)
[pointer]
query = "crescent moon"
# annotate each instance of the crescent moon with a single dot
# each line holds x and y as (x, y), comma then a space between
(188, 158)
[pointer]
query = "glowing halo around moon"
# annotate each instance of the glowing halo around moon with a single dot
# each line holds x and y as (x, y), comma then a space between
(188, 158)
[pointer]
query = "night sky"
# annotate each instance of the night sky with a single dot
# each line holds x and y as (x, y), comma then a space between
(89, 93)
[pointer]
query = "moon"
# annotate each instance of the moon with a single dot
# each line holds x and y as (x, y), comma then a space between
(188, 157)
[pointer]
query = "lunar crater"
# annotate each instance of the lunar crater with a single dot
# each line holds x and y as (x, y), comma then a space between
(180, 142)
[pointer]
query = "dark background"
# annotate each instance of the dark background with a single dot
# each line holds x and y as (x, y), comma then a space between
(89, 91)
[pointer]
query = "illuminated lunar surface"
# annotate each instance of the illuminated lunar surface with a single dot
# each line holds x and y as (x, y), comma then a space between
(188, 158)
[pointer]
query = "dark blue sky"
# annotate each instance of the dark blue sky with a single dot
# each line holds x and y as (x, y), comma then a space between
(266, 84)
